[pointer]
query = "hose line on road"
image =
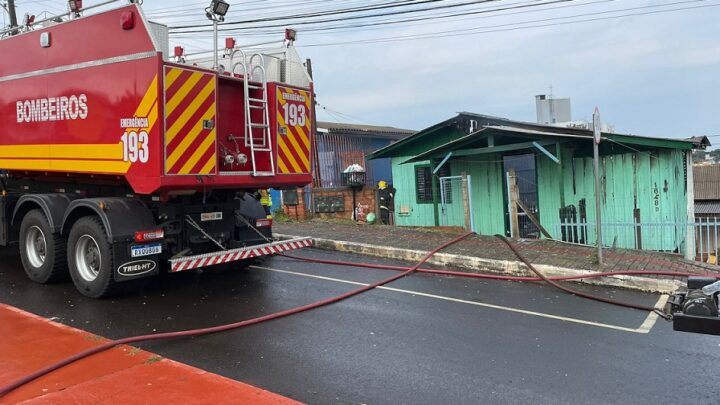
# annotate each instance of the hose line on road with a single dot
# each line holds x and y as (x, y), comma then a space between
(522, 258)
(497, 276)
(540, 276)
(204, 331)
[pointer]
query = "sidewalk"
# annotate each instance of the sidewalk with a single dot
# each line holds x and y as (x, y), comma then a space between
(489, 254)
(122, 375)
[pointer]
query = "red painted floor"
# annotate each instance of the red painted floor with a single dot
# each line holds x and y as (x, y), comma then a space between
(123, 375)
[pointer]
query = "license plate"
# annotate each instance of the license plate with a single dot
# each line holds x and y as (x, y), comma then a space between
(211, 216)
(146, 250)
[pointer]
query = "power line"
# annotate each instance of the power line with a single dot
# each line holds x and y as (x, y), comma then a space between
(482, 10)
(393, 4)
(489, 29)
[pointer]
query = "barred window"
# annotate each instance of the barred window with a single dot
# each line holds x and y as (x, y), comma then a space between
(424, 181)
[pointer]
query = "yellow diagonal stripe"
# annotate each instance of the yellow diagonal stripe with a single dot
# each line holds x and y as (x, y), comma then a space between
(294, 143)
(152, 118)
(207, 169)
(170, 76)
(148, 100)
(189, 111)
(283, 167)
(289, 155)
(303, 137)
(207, 143)
(182, 92)
(189, 138)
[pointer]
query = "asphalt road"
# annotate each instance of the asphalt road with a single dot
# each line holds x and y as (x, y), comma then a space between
(426, 340)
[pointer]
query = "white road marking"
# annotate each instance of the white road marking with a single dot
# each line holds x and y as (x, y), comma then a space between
(646, 326)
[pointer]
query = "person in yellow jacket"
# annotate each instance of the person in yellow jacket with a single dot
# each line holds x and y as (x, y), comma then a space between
(266, 202)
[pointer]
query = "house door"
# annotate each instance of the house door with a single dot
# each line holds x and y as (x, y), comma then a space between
(455, 204)
(525, 171)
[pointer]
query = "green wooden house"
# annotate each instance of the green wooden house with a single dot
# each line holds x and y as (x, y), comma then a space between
(646, 183)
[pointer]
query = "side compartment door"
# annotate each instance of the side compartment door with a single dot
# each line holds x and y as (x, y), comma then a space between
(190, 121)
(293, 130)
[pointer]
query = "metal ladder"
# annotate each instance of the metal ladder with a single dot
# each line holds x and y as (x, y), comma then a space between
(257, 104)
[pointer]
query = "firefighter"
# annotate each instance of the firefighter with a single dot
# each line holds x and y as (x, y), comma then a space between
(266, 202)
(386, 195)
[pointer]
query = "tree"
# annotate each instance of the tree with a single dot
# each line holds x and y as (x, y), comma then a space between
(715, 154)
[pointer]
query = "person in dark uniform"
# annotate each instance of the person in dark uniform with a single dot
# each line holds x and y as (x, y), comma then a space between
(386, 195)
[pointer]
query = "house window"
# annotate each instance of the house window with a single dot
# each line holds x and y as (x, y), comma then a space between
(424, 181)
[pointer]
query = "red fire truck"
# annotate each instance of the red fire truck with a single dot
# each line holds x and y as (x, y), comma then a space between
(119, 160)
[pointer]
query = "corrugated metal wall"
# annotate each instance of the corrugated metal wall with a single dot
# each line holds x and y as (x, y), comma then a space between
(338, 151)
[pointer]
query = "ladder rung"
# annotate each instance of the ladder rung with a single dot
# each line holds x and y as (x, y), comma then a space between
(250, 86)
(258, 125)
(263, 174)
(262, 149)
(258, 100)
(258, 107)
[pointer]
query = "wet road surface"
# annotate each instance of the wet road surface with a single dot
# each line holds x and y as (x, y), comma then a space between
(424, 339)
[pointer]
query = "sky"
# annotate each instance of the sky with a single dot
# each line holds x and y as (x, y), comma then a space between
(654, 74)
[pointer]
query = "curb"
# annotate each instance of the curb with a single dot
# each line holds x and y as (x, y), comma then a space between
(474, 264)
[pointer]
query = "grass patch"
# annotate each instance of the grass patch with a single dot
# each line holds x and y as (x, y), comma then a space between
(153, 359)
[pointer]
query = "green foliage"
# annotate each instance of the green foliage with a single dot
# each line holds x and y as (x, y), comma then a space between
(280, 216)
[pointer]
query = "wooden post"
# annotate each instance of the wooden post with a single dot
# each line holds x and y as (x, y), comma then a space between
(514, 198)
(466, 201)
(533, 219)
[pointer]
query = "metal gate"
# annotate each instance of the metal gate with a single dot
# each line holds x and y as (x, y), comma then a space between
(452, 204)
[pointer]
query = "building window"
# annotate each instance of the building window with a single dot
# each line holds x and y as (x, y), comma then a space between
(424, 182)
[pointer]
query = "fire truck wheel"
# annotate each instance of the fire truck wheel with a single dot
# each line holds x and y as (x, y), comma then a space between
(42, 252)
(90, 258)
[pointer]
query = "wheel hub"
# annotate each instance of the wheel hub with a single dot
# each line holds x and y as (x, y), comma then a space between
(88, 259)
(36, 246)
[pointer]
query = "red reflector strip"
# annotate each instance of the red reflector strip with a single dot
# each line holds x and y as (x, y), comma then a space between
(263, 222)
(194, 262)
(149, 236)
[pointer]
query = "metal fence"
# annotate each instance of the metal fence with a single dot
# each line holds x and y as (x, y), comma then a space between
(664, 237)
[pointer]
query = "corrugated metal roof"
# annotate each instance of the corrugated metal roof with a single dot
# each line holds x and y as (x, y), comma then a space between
(707, 208)
(366, 130)
(706, 181)
(466, 121)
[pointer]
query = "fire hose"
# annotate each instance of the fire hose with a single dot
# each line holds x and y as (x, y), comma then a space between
(221, 328)
(539, 276)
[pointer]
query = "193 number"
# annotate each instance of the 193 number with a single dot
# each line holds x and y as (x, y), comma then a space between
(295, 114)
(135, 146)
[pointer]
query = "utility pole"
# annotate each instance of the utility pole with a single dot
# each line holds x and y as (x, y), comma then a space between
(596, 165)
(13, 16)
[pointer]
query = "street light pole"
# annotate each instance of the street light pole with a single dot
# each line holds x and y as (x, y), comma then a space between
(216, 13)
(215, 44)
(596, 165)
(13, 16)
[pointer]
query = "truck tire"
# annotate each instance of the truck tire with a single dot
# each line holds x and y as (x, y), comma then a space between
(90, 258)
(42, 252)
